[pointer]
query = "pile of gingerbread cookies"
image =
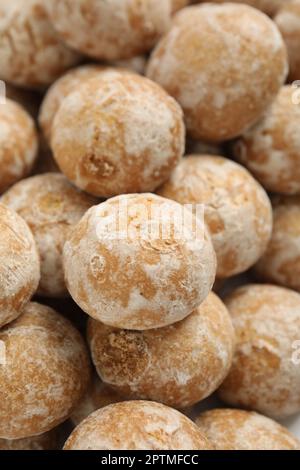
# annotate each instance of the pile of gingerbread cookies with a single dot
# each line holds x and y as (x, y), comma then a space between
(149, 224)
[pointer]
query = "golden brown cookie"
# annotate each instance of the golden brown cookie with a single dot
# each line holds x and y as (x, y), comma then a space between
(178, 365)
(137, 425)
(51, 206)
(230, 429)
(265, 373)
(19, 267)
(237, 209)
(139, 262)
(44, 375)
(224, 64)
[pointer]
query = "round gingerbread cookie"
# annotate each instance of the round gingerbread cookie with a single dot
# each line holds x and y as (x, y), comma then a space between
(271, 148)
(51, 206)
(265, 374)
(63, 87)
(139, 261)
(236, 208)
(18, 144)
(114, 29)
(19, 267)
(281, 262)
(31, 54)
(230, 429)
(178, 365)
(137, 425)
(224, 64)
(44, 373)
(118, 134)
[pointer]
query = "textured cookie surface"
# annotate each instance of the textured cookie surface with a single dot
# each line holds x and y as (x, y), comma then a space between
(114, 29)
(244, 430)
(237, 209)
(137, 425)
(18, 144)
(118, 134)
(51, 206)
(178, 365)
(31, 54)
(224, 64)
(44, 375)
(288, 22)
(62, 88)
(139, 261)
(265, 374)
(271, 149)
(267, 6)
(281, 262)
(20, 266)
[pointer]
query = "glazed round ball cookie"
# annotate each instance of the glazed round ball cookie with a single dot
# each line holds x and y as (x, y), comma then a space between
(230, 429)
(270, 7)
(178, 365)
(18, 144)
(245, 48)
(31, 54)
(51, 206)
(137, 425)
(138, 262)
(264, 375)
(271, 149)
(20, 266)
(237, 209)
(46, 441)
(288, 22)
(114, 29)
(281, 262)
(63, 87)
(98, 396)
(45, 373)
(119, 134)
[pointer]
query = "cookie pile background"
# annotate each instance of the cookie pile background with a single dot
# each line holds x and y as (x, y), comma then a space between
(129, 318)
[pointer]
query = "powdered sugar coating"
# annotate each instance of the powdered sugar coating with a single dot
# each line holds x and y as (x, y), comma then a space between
(98, 396)
(271, 149)
(237, 209)
(178, 365)
(288, 22)
(19, 268)
(31, 53)
(137, 425)
(145, 279)
(51, 206)
(224, 64)
(233, 429)
(63, 87)
(45, 375)
(111, 30)
(46, 441)
(264, 377)
(118, 134)
(18, 144)
(267, 6)
(281, 262)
